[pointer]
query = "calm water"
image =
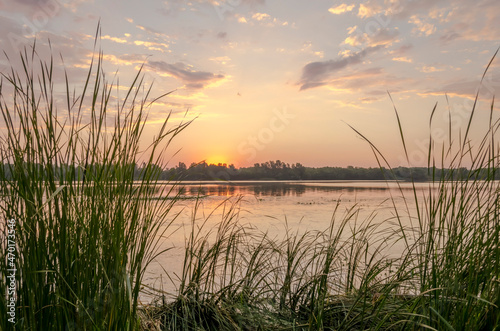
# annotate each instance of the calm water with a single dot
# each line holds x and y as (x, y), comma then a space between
(268, 205)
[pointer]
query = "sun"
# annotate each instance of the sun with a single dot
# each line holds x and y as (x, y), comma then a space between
(216, 159)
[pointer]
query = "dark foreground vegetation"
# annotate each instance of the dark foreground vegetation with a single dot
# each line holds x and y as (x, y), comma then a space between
(82, 246)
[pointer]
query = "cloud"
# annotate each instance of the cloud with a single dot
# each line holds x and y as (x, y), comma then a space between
(368, 99)
(382, 36)
(401, 50)
(474, 23)
(368, 10)
(309, 49)
(454, 20)
(32, 2)
(262, 19)
(254, 2)
(222, 35)
(223, 8)
(449, 36)
(429, 69)
(403, 9)
(422, 27)
(399, 9)
(14, 40)
(341, 9)
(19, 32)
(75, 57)
(9, 26)
(221, 59)
(34, 10)
(316, 74)
(153, 46)
(260, 16)
(372, 83)
(368, 85)
(191, 78)
(467, 87)
(151, 30)
(115, 39)
(351, 29)
(174, 7)
(402, 59)
(125, 59)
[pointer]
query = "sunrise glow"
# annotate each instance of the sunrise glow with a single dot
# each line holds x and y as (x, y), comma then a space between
(273, 80)
(217, 159)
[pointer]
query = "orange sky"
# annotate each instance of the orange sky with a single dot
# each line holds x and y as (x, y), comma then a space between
(280, 79)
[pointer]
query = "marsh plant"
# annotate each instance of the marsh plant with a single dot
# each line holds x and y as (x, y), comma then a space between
(85, 230)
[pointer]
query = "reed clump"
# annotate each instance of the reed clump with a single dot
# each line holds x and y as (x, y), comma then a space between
(85, 229)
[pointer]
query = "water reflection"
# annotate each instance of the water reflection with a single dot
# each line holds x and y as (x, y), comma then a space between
(280, 189)
(274, 207)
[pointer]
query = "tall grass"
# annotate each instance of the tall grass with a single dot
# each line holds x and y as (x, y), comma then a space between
(236, 277)
(456, 250)
(85, 230)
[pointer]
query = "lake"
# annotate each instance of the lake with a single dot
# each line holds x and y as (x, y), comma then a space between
(270, 206)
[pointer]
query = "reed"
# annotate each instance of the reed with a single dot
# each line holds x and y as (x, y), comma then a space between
(85, 229)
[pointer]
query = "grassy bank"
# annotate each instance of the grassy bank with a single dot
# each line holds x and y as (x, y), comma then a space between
(85, 232)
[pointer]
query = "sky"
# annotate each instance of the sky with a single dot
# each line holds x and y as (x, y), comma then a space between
(283, 80)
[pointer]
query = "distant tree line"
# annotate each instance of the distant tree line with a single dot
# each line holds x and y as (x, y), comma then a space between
(271, 170)
(278, 170)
